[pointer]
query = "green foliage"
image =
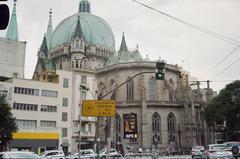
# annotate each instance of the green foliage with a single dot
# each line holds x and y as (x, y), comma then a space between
(7, 122)
(226, 106)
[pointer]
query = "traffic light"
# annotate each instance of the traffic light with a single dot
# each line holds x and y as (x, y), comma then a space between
(4, 16)
(160, 71)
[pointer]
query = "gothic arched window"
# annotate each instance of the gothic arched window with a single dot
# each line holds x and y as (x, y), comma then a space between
(152, 89)
(118, 128)
(171, 127)
(130, 91)
(156, 128)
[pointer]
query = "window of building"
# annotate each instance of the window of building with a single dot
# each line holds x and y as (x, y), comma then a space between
(65, 83)
(64, 132)
(24, 106)
(48, 124)
(84, 80)
(64, 116)
(76, 64)
(48, 108)
(156, 128)
(90, 128)
(65, 102)
(171, 128)
(130, 90)
(152, 89)
(83, 95)
(48, 93)
(118, 127)
(27, 91)
(26, 123)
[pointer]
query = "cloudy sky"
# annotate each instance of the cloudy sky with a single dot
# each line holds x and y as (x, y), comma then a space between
(156, 35)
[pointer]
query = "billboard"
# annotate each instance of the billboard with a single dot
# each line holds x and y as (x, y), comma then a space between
(130, 126)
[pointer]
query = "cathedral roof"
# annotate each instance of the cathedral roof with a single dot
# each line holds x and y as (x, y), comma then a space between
(96, 30)
(124, 55)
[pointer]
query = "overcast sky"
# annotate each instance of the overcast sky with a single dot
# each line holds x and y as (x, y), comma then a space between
(156, 35)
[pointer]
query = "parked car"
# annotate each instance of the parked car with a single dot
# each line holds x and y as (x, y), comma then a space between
(112, 156)
(112, 152)
(52, 154)
(216, 151)
(233, 144)
(140, 156)
(18, 155)
(86, 154)
(197, 151)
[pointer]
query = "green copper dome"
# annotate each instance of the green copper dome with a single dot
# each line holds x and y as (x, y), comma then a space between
(95, 30)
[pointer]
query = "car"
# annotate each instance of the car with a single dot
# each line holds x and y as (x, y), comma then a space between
(197, 151)
(216, 151)
(233, 145)
(112, 156)
(112, 152)
(51, 154)
(18, 155)
(86, 154)
(140, 156)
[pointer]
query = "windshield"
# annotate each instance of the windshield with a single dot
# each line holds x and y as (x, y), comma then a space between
(219, 147)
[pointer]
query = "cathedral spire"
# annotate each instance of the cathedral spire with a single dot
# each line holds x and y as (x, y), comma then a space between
(123, 46)
(84, 6)
(49, 29)
(44, 47)
(78, 31)
(12, 31)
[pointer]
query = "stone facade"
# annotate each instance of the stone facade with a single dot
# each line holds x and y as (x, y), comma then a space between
(12, 55)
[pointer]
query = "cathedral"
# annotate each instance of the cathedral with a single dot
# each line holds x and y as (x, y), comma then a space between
(150, 113)
(167, 112)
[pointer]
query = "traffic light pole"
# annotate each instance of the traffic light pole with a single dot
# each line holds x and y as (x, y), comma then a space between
(109, 127)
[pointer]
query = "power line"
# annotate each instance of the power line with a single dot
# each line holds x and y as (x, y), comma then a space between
(221, 61)
(226, 67)
(214, 34)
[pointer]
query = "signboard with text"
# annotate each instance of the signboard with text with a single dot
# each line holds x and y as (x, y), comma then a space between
(130, 126)
(98, 108)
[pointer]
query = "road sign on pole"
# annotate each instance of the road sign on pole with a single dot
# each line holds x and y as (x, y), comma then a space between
(98, 108)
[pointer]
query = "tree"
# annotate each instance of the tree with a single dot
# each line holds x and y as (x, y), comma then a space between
(226, 107)
(7, 123)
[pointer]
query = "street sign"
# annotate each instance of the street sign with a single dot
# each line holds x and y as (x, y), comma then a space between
(98, 108)
(130, 126)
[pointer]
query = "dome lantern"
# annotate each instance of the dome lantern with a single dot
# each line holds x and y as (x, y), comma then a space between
(84, 6)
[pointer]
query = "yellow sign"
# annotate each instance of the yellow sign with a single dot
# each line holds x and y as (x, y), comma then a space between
(98, 108)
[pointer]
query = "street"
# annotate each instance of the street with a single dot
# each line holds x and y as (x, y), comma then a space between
(176, 157)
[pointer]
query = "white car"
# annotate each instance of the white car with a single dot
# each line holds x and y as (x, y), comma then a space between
(112, 152)
(52, 154)
(86, 153)
(216, 151)
(197, 151)
(18, 155)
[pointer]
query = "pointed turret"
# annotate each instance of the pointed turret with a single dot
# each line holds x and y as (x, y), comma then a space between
(123, 46)
(84, 7)
(49, 29)
(78, 30)
(12, 31)
(44, 47)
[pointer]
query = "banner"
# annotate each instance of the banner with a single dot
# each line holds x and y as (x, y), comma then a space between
(130, 126)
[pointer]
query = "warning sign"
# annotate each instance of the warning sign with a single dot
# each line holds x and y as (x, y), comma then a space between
(98, 108)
